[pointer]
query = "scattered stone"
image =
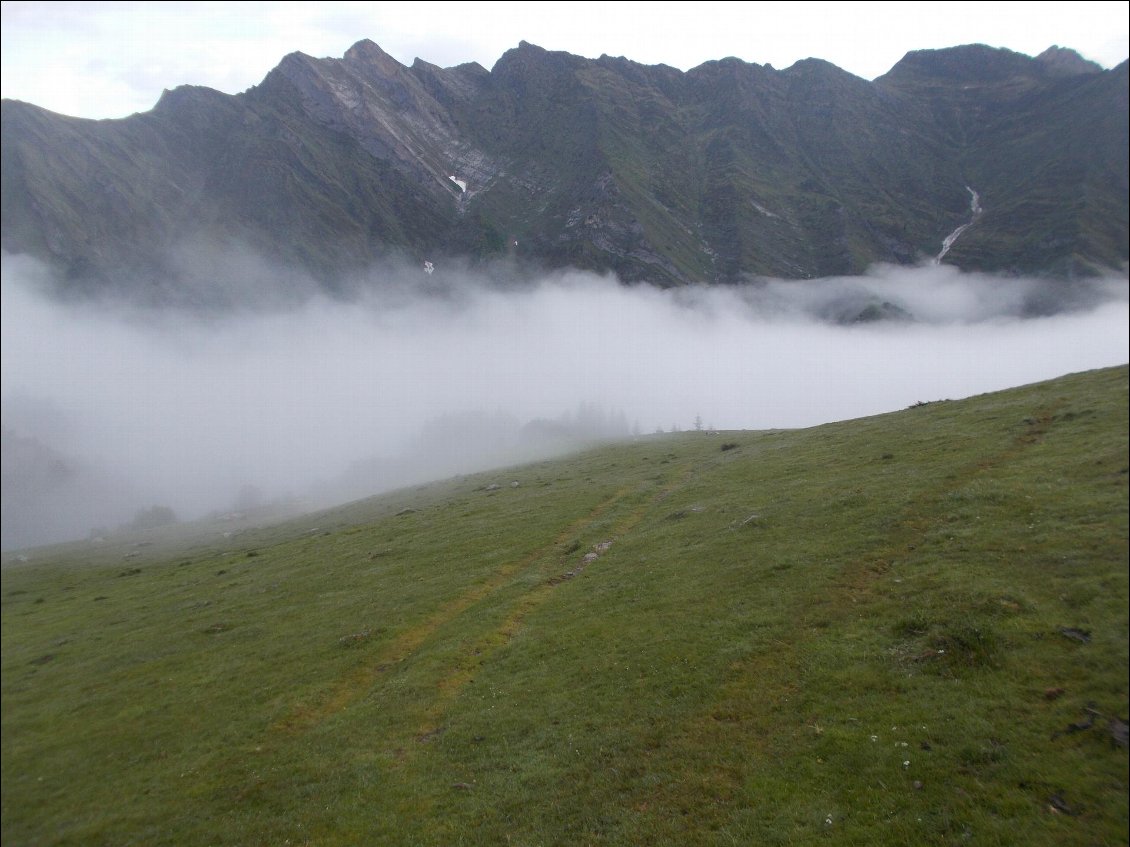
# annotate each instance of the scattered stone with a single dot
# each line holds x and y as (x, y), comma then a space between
(1058, 805)
(494, 486)
(462, 786)
(1083, 725)
(587, 559)
(407, 510)
(514, 484)
(1083, 636)
(1118, 732)
(355, 638)
(917, 785)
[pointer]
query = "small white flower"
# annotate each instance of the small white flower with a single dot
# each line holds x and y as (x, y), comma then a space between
(906, 764)
(874, 737)
(828, 820)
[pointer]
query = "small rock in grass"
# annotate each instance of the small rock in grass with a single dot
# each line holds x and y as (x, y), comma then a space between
(1118, 730)
(1083, 636)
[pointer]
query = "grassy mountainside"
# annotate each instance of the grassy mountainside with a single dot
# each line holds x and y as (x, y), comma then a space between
(905, 629)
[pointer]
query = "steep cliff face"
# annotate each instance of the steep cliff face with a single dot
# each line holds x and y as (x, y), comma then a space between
(728, 171)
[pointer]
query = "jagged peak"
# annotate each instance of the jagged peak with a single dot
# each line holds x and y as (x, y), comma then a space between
(470, 68)
(730, 63)
(527, 55)
(367, 53)
(293, 61)
(814, 65)
(1063, 61)
(624, 61)
(632, 70)
(183, 95)
(297, 56)
(462, 81)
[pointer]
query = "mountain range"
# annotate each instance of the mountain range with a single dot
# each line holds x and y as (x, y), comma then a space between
(725, 173)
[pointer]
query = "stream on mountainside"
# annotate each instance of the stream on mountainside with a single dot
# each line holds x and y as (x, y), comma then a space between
(975, 208)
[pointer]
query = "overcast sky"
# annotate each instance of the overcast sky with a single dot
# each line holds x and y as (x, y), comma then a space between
(110, 59)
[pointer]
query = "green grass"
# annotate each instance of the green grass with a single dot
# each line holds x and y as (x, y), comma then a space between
(839, 635)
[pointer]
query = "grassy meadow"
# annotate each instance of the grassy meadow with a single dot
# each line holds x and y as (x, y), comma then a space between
(909, 629)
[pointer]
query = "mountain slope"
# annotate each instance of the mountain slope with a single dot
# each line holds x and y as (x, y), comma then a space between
(1029, 138)
(909, 628)
(728, 171)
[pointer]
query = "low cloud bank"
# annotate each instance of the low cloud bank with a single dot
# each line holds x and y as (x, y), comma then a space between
(109, 410)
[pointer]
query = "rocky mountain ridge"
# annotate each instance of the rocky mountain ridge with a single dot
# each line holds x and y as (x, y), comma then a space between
(724, 173)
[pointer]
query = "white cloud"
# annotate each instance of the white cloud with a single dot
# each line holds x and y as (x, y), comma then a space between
(190, 408)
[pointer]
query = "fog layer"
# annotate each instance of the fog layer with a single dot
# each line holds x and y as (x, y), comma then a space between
(110, 410)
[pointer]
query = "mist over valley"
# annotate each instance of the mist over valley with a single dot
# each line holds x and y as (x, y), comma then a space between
(110, 408)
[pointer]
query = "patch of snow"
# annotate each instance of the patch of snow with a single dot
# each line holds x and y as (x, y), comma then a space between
(461, 183)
